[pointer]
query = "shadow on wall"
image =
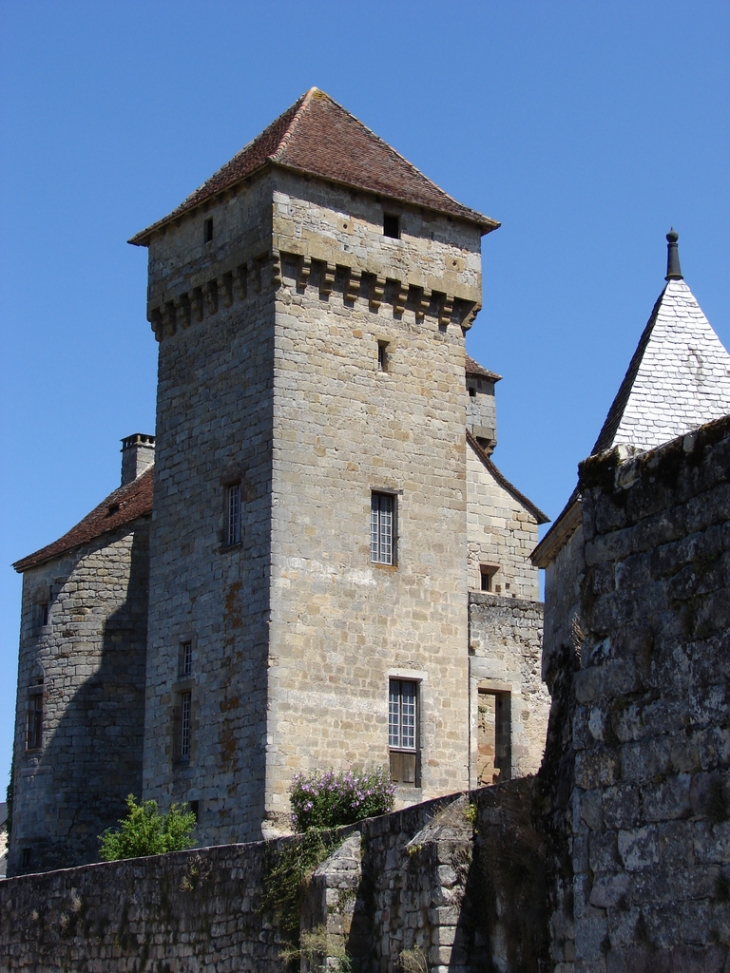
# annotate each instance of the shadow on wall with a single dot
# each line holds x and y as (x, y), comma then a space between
(93, 759)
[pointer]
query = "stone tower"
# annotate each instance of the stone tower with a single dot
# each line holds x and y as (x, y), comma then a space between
(309, 536)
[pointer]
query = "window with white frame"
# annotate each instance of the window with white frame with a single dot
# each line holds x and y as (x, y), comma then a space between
(403, 731)
(233, 514)
(382, 528)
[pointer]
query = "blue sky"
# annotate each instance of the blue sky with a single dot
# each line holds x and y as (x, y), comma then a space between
(587, 129)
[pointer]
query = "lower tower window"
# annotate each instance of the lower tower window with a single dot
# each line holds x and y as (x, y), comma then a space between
(233, 525)
(403, 732)
(184, 727)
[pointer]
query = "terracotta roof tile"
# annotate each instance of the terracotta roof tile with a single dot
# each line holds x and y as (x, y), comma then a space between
(318, 137)
(474, 368)
(126, 504)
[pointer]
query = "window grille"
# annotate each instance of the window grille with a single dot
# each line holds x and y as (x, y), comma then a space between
(382, 528)
(185, 725)
(402, 715)
(403, 732)
(233, 529)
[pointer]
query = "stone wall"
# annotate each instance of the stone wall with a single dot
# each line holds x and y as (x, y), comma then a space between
(651, 843)
(214, 422)
(346, 424)
(82, 666)
(505, 646)
(449, 885)
(501, 533)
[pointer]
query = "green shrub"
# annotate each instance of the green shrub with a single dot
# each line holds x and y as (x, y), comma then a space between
(327, 800)
(147, 832)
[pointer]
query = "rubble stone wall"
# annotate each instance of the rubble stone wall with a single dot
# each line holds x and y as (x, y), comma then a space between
(651, 842)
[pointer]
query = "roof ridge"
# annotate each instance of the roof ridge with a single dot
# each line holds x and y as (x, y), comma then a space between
(403, 159)
(621, 399)
(306, 101)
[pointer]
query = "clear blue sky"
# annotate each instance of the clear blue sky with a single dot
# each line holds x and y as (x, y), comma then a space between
(586, 128)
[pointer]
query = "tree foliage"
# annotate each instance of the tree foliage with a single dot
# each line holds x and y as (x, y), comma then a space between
(145, 831)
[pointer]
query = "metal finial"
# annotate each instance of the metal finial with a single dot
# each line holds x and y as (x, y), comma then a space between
(674, 271)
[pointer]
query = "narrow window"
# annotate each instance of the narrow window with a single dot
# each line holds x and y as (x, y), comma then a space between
(40, 615)
(382, 528)
(186, 658)
(208, 231)
(185, 725)
(195, 808)
(403, 731)
(472, 392)
(382, 356)
(26, 857)
(486, 574)
(233, 526)
(34, 730)
(391, 225)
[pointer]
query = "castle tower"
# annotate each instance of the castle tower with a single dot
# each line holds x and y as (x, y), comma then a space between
(307, 564)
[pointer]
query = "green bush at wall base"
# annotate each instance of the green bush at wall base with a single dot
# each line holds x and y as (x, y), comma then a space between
(147, 832)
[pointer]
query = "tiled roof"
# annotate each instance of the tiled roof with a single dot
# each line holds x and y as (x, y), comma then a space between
(318, 137)
(539, 516)
(126, 504)
(678, 379)
(474, 368)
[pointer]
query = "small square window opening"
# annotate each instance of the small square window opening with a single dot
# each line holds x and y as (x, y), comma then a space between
(382, 528)
(486, 576)
(233, 514)
(208, 230)
(391, 225)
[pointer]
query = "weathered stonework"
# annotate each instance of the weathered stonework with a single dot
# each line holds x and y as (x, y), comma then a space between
(82, 661)
(652, 775)
(505, 645)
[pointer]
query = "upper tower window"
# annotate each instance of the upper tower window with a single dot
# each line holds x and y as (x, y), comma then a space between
(208, 230)
(391, 225)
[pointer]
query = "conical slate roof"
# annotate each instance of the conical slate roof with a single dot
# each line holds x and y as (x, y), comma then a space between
(318, 137)
(678, 379)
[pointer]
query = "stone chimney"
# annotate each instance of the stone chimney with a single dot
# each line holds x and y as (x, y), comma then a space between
(138, 453)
